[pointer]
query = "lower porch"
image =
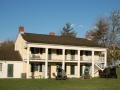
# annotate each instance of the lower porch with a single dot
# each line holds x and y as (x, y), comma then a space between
(37, 69)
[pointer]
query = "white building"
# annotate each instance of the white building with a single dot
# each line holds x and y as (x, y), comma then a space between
(42, 53)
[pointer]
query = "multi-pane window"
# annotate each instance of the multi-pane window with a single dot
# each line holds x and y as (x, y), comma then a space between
(36, 50)
(72, 54)
(88, 53)
(59, 51)
(0, 66)
(36, 67)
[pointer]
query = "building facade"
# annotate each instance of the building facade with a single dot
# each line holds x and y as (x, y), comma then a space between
(41, 54)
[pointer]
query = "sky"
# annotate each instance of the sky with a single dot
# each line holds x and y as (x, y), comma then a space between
(44, 16)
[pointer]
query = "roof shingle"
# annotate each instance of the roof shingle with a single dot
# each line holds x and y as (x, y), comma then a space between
(49, 39)
(10, 56)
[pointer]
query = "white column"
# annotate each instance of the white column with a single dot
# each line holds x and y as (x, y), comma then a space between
(78, 63)
(105, 58)
(63, 62)
(92, 63)
(46, 63)
(27, 68)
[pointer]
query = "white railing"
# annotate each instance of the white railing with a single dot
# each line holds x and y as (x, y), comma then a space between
(31, 57)
(102, 59)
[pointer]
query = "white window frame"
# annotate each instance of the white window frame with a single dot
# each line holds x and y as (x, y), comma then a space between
(36, 67)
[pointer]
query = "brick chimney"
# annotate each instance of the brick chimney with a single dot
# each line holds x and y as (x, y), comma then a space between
(21, 30)
(52, 33)
(89, 36)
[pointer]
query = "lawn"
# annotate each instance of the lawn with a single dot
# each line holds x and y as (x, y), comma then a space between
(69, 84)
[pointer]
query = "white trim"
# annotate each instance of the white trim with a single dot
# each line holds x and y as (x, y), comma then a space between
(54, 46)
(63, 62)
(46, 63)
(28, 49)
(78, 63)
(92, 63)
(105, 59)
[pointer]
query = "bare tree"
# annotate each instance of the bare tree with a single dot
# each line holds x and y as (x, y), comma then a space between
(114, 34)
(107, 34)
(7, 45)
(100, 31)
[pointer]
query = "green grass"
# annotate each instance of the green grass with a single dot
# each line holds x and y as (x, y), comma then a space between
(69, 84)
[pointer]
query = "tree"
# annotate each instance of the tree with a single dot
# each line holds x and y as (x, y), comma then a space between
(100, 31)
(114, 34)
(107, 33)
(68, 31)
(7, 45)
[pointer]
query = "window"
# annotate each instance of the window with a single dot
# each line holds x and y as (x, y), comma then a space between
(59, 51)
(36, 67)
(88, 53)
(0, 66)
(35, 50)
(72, 52)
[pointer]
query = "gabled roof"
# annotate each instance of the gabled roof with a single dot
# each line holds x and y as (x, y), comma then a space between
(50, 39)
(10, 56)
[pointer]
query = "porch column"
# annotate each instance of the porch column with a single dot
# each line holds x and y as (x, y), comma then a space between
(78, 63)
(92, 63)
(27, 68)
(105, 58)
(46, 63)
(63, 62)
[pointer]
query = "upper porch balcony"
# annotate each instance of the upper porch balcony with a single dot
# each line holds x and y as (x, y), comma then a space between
(56, 55)
(68, 58)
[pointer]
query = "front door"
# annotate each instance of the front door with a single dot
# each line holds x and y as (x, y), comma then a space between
(10, 70)
(72, 70)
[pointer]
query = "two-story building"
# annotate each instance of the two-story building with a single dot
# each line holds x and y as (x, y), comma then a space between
(42, 53)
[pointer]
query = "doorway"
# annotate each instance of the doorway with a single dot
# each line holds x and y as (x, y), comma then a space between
(10, 70)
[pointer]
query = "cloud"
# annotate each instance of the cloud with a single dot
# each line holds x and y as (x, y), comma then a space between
(72, 25)
(82, 26)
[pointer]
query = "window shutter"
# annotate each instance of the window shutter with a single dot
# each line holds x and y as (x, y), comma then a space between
(32, 50)
(49, 51)
(81, 53)
(65, 52)
(57, 51)
(41, 50)
(32, 67)
(40, 69)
